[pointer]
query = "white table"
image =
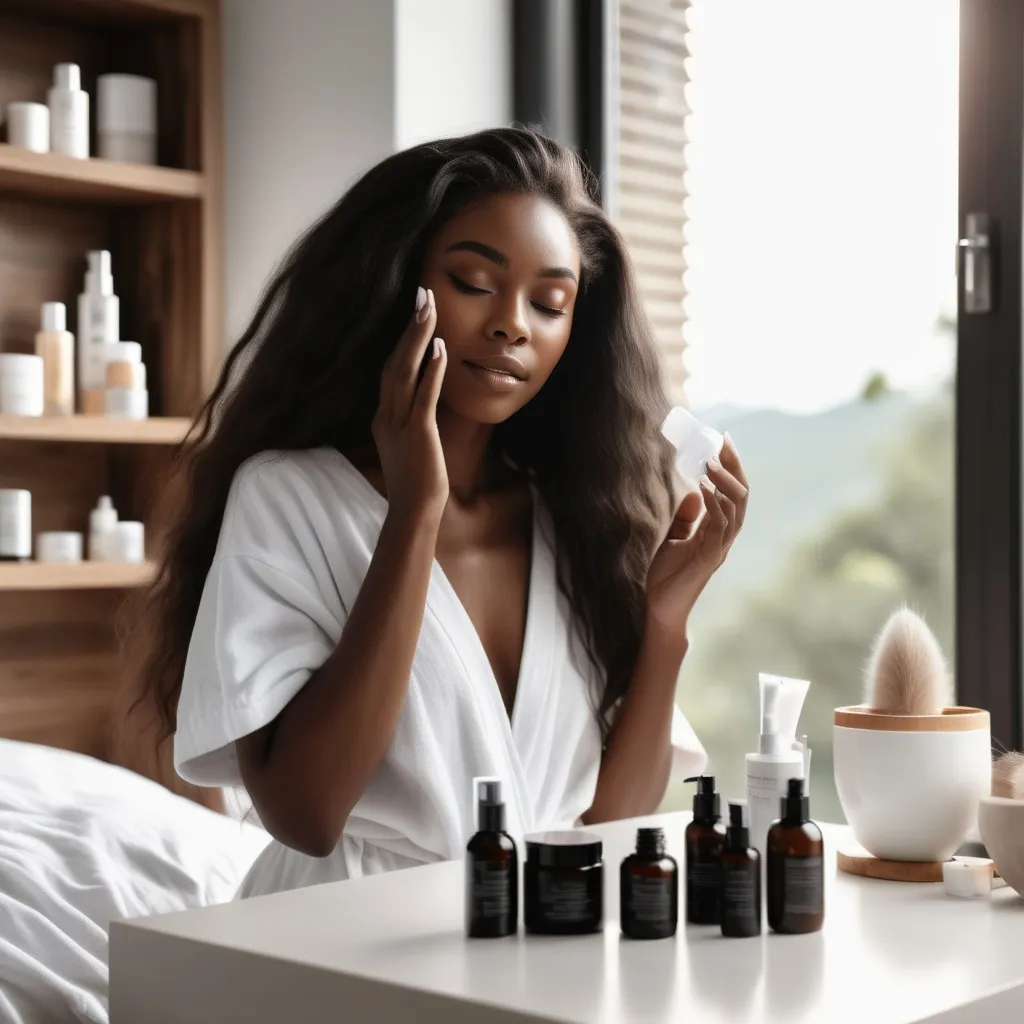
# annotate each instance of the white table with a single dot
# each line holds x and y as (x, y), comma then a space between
(391, 949)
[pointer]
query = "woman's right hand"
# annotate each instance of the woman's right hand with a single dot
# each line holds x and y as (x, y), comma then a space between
(405, 426)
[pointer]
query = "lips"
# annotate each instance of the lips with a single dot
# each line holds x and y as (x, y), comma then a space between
(507, 365)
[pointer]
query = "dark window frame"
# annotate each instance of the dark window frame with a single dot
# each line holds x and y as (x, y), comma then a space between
(559, 73)
(988, 382)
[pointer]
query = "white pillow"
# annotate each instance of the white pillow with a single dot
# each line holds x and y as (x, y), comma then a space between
(81, 842)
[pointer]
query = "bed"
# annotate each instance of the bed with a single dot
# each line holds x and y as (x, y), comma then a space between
(83, 841)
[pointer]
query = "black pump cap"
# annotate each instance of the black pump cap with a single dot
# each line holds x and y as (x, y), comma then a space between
(490, 807)
(707, 805)
(737, 835)
(795, 805)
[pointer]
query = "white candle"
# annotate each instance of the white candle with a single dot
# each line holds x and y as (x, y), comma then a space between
(968, 877)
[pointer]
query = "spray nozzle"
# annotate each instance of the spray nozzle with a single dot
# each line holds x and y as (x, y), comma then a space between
(795, 806)
(488, 791)
(737, 835)
(738, 815)
(490, 808)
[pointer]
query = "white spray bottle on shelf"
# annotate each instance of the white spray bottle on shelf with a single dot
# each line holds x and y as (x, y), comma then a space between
(102, 527)
(99, 327)
(781, 754)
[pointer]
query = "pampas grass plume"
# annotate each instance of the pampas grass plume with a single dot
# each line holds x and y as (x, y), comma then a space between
(907, 673)
(1008, 776)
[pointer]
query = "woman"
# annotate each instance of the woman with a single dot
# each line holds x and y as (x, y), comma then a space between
(405, 562)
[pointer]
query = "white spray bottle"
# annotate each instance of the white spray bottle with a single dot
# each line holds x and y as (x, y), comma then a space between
(781, 754)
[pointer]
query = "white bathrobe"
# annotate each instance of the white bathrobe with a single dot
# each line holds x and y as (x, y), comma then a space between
(298, 534)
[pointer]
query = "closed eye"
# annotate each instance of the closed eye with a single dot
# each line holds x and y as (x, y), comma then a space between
(468, 289)
(547, 310)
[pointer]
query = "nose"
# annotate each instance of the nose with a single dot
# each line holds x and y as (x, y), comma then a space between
(509, 322)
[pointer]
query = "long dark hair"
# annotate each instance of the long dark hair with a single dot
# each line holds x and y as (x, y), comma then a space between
(304, 375)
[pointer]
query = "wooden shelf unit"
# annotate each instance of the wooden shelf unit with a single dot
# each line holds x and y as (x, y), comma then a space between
(162, 226)
(52, 176)
(169, 430)
(22, 576)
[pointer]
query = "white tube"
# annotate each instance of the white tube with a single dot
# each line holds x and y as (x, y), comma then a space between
(780, 755)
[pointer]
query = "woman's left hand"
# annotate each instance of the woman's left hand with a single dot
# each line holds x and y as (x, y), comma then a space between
(688, 557)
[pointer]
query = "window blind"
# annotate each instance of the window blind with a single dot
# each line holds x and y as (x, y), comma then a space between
(650, 189)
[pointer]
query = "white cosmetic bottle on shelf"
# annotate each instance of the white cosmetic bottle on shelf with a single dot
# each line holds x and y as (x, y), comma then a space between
(69, 112)
(99, 326)
(55, 345)
(102, 528)
(781, 755)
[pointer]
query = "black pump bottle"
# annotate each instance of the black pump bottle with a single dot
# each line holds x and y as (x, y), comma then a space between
(705, 839)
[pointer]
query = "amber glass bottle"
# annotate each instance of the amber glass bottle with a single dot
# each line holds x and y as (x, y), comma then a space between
(649, 888)
(741, 878)
(705, 838)
(796, 867)
(492, 869)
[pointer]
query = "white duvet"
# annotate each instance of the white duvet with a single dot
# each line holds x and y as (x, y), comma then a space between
(82, 842)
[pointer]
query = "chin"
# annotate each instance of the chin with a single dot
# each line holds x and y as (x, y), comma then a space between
(477, 409)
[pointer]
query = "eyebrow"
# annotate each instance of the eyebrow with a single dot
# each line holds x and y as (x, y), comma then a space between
(501, 259)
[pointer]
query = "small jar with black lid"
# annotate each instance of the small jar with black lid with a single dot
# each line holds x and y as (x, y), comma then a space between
(563, 883)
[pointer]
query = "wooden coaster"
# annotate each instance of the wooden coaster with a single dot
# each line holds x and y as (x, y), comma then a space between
(856, 861)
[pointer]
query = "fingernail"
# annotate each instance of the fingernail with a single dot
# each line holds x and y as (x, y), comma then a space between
(713, 463)
(727, 437)
(438, 348)
(421, 298)
(421, 316)
(706, 483)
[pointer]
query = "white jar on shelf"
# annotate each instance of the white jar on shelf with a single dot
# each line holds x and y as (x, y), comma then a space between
(28, 126)
(129, 542)
(126, 118)
(62, 547)
(15, 524)
(21, 384)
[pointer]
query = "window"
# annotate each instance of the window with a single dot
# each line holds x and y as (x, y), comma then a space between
(806, 257)
(786, 176)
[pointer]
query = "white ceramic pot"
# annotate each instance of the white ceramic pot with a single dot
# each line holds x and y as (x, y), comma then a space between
(1001, 824)
(910, 785)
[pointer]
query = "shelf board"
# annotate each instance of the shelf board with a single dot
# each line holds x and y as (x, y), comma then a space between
(77, 576)
(52, 176)
(95, 429)
(109, 12)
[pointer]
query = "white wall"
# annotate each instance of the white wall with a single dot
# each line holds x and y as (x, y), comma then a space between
(309, 103)
(454, 67)
(316, 91)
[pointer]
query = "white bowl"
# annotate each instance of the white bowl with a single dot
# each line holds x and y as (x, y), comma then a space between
(1001, 824)
(910, 785)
